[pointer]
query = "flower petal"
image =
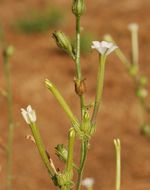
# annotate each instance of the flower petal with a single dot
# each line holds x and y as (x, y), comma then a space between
(25, 115)
(88, 182)
(111, 49)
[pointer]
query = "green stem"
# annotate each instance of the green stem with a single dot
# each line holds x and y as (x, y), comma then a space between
(99, 91)
(77, 61)
(118, 163)
(41, 149)
(84, 150)
(78, 67)
(10, 122)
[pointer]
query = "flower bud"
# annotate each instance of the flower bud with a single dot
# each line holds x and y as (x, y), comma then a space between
(86, 122)
(88, 182)
(145, 129)
(61, 152)
(29, 115)
(143, 80)
(141, 93)
(8, 51)
(78, 7)
(133, 70)
(64, 43)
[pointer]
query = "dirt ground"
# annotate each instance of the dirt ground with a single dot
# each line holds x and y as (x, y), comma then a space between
(36, 58)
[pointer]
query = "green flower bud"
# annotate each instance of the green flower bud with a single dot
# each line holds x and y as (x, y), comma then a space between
(86, 122)
(64, 43)
(143, 80)
(61, 152)
(8, 51)
(145, 129)
(78, 7)
(133, 70)
(142, 93)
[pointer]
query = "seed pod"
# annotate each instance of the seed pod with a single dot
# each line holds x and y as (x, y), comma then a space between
(80, 86)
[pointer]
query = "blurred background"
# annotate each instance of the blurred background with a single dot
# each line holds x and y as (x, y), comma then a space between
(28, 25)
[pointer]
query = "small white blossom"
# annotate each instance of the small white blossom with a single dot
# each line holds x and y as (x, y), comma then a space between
(88, 182)
(28, 115)
(133, 26)
(103, 47)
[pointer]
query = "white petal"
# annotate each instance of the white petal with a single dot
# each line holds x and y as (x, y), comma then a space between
(88, 182)
(32, 116)
(29, 115)
(102, 50)
(95, 44)
(111, 49)
(106, 44)
(103, 47)
(29, 108)
(133, 26)
(25, 115)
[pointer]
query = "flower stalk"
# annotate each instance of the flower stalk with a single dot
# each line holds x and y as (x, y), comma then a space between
(118, 163)
(7, 53)
(42, 151)
(99, 91)
(77, 61)
(29, 116)
(84, 150)
(133, 27)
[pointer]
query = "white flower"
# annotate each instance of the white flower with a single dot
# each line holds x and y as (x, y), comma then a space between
(88, 182)
(133, 26)
(28, 115)
(103, 47)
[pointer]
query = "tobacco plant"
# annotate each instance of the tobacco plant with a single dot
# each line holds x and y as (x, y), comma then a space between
(82, 128)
